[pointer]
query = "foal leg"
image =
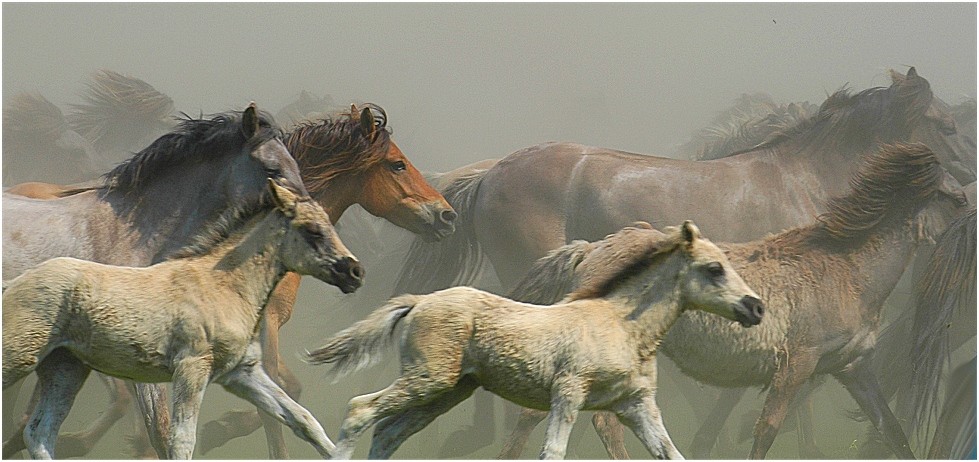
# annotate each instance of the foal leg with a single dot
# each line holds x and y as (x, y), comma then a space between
(277, 313)
(797, 366)
(190, 379)
(514, 445)
(642, 416)
(60, 376)
(250, 382)
(565, 404)
(859, 379)
(77, 444)
(393, 430)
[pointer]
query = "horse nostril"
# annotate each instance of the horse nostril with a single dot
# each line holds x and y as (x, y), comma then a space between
(448, 216)
(356, 270)
(754, 306)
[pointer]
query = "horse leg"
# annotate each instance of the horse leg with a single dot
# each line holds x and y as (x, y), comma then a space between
(153, 407)
(78, 444)
(796, 367)
(642, 416)
(249, 381)
(804, 418)
(393, 430)
(60, 377)
(15, 443)
(609, 429)
(513, 447)
(190, 377)
(706, 436)
(277, 313)
(477, 435)
(860, 381)
(565, 404)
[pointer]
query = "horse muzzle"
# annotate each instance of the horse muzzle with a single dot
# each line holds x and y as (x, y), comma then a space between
(347, 274)
(443, 223)
(749, 312)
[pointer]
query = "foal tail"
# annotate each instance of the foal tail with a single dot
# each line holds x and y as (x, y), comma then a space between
(359, 345)
(454, 260)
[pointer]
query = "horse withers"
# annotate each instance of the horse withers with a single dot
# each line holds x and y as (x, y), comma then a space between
(593, 350)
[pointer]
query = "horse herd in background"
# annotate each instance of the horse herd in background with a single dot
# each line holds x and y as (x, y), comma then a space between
(818, 212)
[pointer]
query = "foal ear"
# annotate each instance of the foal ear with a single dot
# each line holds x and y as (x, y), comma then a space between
(367, 124)
(912, 72)
(690, 231)
(284, 199)
(249, 121)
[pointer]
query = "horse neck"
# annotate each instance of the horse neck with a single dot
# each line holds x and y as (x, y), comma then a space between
(168, 213)
(336, 195)
(651, 304)
(249, 261)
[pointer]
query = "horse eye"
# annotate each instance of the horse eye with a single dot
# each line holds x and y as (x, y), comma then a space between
(399, 166)
(715, 269)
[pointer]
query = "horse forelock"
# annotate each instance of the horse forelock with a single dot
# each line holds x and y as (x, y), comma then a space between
(336, 145)
(895, 175)
(192, 141)
(620, 256)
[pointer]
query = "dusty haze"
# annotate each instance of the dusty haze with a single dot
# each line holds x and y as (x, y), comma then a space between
(465, 82)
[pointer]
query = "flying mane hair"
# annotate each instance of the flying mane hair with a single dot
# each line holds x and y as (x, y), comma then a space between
(337, 144)
(845, 119)
(619, 257)
(33, 114)
(192, 140)
(113, 100)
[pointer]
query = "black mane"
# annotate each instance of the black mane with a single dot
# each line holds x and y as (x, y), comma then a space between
(192, 141)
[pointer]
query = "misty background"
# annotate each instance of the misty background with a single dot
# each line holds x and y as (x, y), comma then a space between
(466, 82)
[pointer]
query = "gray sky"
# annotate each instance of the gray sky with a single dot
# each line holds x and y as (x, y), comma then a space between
(464, 82)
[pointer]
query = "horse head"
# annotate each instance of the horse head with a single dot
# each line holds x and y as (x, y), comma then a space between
(351, 159)
(311, 245)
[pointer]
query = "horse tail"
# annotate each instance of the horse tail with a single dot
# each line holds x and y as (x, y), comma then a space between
(552, 277)
(454, 260)
(949, 283)
(359, 345)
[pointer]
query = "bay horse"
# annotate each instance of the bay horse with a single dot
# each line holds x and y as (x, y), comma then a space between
(595, 349)
(192, 319)
(344, 159)
(823, 286)
(150, 206)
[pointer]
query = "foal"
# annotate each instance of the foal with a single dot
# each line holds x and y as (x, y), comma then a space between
(594, 350)
(191, 320)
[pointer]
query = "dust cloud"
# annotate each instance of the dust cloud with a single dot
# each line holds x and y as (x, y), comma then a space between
(466, 82)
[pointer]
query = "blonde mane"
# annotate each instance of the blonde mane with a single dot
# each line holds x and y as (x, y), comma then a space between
(620, 256)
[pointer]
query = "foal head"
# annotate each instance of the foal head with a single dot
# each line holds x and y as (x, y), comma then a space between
(311, 245)
(705, 279)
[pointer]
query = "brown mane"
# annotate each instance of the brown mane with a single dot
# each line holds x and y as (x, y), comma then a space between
(620, 256)
(336, 145)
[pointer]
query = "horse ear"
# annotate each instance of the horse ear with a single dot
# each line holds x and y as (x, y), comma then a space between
(690, 231)
(641, 225)
(249, 121)
(284, 199)
(367, 124)
(912, 72)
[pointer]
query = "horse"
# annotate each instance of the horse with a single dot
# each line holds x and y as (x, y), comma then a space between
(150, 206)
(823, 286)
(38, 144)
(191, 320)
(596, 349)
(345, 159)
(545, 196)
